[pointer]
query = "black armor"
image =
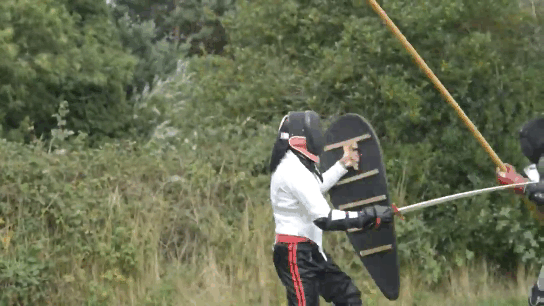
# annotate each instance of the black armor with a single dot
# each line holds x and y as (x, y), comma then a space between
(532, 145)
(531, 138)
(368, 217)
(535, 192)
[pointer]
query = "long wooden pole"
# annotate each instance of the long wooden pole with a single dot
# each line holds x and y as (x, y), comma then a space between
(437, 83)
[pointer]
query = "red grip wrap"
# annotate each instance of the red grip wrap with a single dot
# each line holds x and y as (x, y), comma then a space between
(511, 177)
(397, 212)
(378, 221)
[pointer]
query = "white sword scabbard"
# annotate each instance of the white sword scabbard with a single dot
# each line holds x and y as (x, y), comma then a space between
(425, 204)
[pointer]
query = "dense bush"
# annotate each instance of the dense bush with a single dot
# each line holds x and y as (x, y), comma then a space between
(114, 224)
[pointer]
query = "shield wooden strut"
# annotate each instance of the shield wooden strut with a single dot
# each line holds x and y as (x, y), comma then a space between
(366, 186)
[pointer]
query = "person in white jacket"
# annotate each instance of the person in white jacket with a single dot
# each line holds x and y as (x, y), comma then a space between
(301, 214)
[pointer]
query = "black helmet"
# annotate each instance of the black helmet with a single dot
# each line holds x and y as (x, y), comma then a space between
(531, 138)
(306, 134)
(302, 132)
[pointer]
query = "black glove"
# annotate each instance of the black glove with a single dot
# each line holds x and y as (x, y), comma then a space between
(364, 219)
(376, 215)
(535, 193)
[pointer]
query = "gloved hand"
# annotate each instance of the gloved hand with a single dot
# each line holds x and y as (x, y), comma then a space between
(377, 215)
(535, 193)
(383, 215)
(511, 177)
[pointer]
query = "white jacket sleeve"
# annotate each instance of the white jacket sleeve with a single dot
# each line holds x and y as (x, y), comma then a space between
(306, 189)
(332, 176)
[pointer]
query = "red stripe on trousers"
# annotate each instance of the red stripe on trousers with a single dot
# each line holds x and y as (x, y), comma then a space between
(297, 283)
(293, 276)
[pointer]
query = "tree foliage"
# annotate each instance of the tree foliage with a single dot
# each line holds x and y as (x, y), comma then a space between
(62, 50)
(160, 32)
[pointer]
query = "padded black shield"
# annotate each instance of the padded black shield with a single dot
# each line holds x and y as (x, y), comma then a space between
(364, 187)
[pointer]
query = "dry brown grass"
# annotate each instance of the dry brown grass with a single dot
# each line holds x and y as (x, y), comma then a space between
(246, 277)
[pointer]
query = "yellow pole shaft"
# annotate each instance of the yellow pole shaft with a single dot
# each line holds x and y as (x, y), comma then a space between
(437, 83)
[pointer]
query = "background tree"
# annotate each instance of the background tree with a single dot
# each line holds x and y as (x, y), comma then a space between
(62, 50)
(160, 32)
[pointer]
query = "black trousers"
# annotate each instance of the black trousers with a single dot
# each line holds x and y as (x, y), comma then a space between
(306, 275)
